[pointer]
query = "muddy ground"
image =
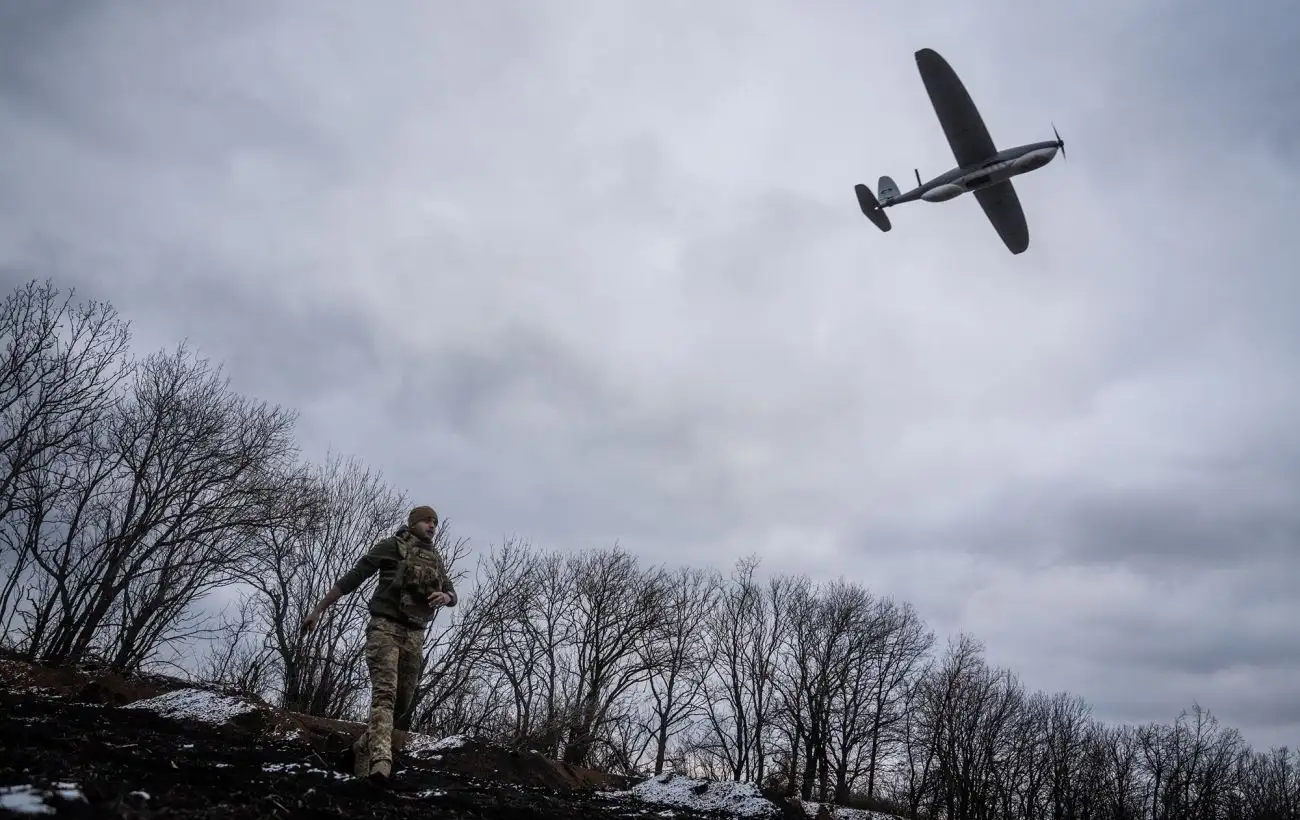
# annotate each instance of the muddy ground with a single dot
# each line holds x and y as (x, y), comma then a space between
(69, 747)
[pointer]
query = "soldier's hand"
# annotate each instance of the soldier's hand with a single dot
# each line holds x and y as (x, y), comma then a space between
(309, 623)
(439, 599)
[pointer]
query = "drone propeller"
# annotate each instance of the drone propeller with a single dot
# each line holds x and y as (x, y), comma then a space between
(1060, 143)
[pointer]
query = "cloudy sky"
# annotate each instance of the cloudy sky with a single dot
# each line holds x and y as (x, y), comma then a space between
(592, 270)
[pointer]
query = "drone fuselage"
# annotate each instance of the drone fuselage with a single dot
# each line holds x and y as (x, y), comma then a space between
(1000, 167)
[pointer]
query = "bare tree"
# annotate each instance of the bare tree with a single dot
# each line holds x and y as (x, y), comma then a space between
(675, 654)
(59, 376)
(60, 370)
(738, 616)
(815, 676)
(616, 604)
(745, 637)
(763, 660)
(338, 510)
(1068, 722)
(1269, 785)
(235, 658)
(894, 669)
(1021, 783)
(173, 485)
(621, 744)
(801, 696)
(1121, 772)
(945, 711)
(1189, 765)
(66, 501)
(858, 632)
(919, 732)
(529, 643)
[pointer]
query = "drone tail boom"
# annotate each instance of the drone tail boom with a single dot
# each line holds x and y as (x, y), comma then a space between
(871, 208)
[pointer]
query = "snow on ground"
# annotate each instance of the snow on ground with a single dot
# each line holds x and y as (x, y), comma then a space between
(24, 800)
(196, 704)
(423, 745)
(31, 800)
(673, 790)
(845, 813)
(302, 767)
(40, 691)
(288, 735)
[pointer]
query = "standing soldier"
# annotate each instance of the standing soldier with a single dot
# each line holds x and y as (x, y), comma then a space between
(413, 584)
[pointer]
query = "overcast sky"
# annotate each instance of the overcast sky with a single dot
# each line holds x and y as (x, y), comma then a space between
(587, 271)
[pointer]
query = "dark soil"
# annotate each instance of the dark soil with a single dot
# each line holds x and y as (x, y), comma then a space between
(137, 764)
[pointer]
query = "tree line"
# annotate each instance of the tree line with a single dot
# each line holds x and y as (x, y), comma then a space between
(133, 489)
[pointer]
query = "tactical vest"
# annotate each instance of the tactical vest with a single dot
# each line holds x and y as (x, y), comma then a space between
(418, 575)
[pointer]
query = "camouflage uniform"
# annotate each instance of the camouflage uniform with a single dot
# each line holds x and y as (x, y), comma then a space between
(394, 654)
(410, 570)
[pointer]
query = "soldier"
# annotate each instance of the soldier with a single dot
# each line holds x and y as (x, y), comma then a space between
(413, 584)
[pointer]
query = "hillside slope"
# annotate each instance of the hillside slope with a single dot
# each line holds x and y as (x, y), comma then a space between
(79, 744)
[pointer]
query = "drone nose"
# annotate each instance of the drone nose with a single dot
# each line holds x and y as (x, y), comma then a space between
(1060, 143)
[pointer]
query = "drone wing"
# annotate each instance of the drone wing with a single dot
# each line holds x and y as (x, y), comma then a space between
(961, 120)
(1002, 207)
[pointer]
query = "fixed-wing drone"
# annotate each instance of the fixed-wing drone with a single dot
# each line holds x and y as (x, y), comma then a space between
(981, 168)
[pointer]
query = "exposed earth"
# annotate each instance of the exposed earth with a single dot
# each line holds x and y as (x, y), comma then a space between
(77, 743)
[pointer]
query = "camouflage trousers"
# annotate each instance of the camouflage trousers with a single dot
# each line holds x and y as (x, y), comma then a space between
(393, 654)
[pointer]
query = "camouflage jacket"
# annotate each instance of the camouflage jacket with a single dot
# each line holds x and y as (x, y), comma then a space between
(410, 570)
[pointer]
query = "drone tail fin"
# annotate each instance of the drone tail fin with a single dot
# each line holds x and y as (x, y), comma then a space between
(871, 208)
(888, 190)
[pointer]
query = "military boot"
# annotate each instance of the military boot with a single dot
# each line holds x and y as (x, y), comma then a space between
(361, 755)
(380, 772)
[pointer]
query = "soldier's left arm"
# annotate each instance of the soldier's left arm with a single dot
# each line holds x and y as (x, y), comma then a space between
(447, 585)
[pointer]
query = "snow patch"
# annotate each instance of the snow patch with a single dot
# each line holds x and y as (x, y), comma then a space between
(424, 745)
(303, 768)
(843, 812)
(673, 790)
(42, 691)
(24, 800)
(196, 704)
(31, 800)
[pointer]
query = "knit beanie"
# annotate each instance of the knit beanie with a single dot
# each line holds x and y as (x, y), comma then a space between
(422, 513)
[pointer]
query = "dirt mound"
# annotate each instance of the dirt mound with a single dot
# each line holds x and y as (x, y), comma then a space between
(70, 759)
(88, 684)
(210, 707)
(332, 739)
(113, 689)
(495, 763)
(789, 809)
(69, 747)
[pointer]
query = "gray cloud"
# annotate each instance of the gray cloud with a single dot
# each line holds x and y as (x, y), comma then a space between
(595, 272)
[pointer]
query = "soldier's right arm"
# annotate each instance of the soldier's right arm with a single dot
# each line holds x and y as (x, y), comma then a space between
(366, 566)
